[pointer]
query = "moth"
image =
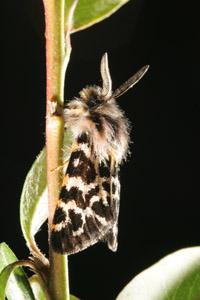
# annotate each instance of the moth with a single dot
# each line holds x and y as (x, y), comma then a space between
(88, 207)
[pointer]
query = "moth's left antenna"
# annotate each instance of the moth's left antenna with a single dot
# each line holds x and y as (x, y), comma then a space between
(106, 78)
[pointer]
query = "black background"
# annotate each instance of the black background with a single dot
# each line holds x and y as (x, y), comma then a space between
(160, 183)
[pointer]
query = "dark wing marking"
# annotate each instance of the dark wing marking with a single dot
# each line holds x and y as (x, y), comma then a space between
(86, 213)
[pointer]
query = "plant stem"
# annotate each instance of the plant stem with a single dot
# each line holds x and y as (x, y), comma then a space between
(55, 50)
(58, 50)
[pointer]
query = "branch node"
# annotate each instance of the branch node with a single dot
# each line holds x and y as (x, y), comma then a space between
(54, 108)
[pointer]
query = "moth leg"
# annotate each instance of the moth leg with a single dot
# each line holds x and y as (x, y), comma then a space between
(62, 166)
(66, 160)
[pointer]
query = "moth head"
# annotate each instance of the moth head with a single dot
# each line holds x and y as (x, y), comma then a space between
(95, 95)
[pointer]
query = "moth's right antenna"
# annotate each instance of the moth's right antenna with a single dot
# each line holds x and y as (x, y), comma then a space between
(130, 82)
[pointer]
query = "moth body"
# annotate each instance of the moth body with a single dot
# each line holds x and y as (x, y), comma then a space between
(88, 207)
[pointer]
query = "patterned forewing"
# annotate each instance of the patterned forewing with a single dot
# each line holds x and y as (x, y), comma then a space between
(115, 195)
(85, 212)
(111, 190)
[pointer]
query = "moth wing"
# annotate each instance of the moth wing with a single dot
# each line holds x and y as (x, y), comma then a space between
(83, 215)
(113, 188)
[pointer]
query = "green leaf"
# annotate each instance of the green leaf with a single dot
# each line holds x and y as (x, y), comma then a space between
(17, 287)
(89, 12)
(176, 276)
(39, 288)
(33, 205)
(73, 298)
